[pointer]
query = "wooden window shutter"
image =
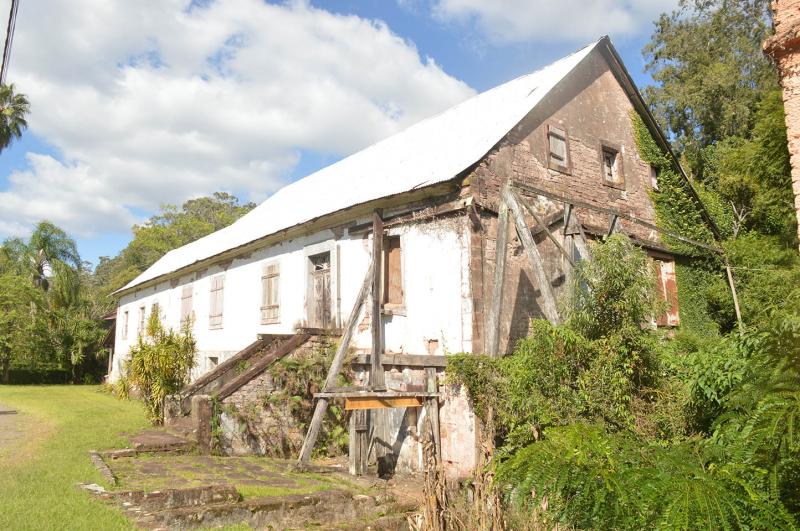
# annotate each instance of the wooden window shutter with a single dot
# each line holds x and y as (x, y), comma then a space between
(217, 302)
(142, 318)
(271, 294)
(124, 334)
(667, 289)
(186, 304)
(393, 272)
(558, 149)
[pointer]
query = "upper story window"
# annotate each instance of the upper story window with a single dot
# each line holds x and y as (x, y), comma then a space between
(654, 177)
(392, 272)
(187, 294)
(612, 167)
(142, 319)
(558, 157)
(216, 302)
(271, 294)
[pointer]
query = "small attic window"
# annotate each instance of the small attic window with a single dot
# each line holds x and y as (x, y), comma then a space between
(558, 149)
(654, 177)
(611, 164)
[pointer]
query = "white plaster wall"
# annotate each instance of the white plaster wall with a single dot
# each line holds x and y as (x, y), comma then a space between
(435, 263)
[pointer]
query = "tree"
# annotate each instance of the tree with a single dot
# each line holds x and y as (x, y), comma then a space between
(20, 304)
(710, 72)
(171, 228)
(13, 109)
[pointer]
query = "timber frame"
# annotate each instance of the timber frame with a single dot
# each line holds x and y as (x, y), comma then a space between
(512, 203)
(374, 398)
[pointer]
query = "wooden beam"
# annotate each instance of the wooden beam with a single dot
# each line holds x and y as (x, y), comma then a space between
(535, 259)
(492, 345)
(632, 219)
(368, 402)
(376, 376)
(549, 234)
(732, 285)
(408, 360)
(335, 368)
(432, 409)
(581, 242)
(567, 215)
(612, 225)
(348, 392)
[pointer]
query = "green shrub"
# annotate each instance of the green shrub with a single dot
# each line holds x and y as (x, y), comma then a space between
(159, 364)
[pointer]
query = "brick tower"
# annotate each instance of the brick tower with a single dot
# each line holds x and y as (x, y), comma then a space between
(784, 48)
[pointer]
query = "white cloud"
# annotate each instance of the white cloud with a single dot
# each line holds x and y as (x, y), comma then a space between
(509, 21)
(157, 101)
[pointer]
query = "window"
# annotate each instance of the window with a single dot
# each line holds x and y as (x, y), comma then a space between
(558, 149)
(142, 318)
(186, 305)
(612, 167)
(155, 309)
(213, 361)
(271, 294)
(667, 290)
(654, 177)
(124, 328)
(216, 302)
(392, 272)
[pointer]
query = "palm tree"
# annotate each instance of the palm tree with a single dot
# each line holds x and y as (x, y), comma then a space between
(13, 109)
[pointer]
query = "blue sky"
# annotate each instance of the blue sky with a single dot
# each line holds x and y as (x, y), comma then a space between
(137, 104)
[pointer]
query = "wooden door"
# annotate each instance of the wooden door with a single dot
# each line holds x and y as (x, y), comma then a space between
(320, 291)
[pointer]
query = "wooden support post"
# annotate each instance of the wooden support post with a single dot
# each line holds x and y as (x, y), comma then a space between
(581, 243)
(732, 285)
(549, 234)
(432, 409)
(359, 442)
(612, 224)
(336, 366)
(535, 259)
(492, 345)
(567, 217)
(376, 376)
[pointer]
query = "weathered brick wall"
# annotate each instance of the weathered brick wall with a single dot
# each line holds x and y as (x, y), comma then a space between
(595, 111)
(784, 47)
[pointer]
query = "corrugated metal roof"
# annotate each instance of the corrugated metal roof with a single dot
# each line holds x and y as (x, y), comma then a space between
(431, 151)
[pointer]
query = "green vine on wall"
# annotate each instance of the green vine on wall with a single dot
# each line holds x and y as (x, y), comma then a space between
(697, 270)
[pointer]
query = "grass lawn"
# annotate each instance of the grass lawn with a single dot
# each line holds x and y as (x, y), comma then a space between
(39, 473)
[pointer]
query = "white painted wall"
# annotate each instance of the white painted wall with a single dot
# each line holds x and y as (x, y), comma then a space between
(438, 305)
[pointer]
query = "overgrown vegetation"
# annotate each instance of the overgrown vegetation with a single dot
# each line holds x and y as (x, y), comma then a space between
(604, 423)
(282, 414)
(159, 364)
(52, 305)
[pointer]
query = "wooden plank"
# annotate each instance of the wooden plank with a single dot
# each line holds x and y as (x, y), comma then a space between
(367, 402)
(544, 227)
(348, 392)
(408, 360)
(492, 345)
(432, 409)
(632, 219)
(335, 368)
(376, 376)
(535, 259)
(567, 215)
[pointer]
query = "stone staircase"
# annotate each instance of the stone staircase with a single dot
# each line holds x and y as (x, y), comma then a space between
(183, 418)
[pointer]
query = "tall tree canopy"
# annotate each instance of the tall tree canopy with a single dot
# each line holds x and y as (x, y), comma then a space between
(173, 227)
(14, 107)
(709, 71)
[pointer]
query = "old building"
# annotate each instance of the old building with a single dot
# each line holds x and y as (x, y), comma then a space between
(562, 135)
(784, 48)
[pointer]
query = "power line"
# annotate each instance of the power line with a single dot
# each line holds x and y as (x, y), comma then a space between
(12, 23)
